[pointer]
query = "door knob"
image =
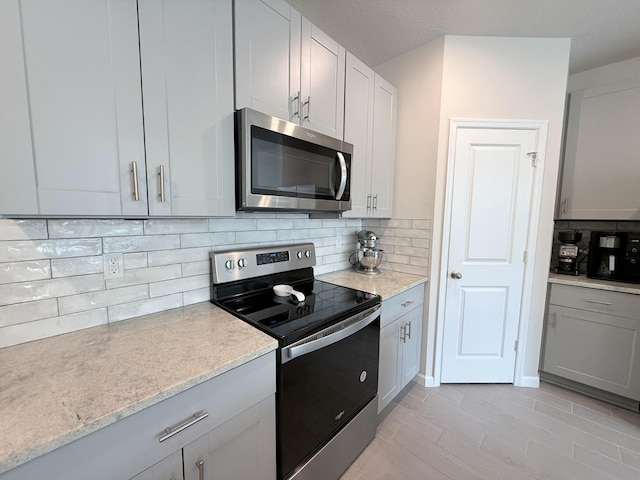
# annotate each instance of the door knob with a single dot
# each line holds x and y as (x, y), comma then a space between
(456, 275)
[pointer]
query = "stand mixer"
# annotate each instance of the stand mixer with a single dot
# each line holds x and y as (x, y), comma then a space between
(368, 257)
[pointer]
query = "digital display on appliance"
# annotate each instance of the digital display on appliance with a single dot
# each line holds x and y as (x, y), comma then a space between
(272, 257)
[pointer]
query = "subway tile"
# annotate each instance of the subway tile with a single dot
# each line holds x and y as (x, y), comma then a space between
(393, 258)
(144, 307)
(399, 267)
(189, 240)
(420, 242)
(348, 231)
(175, 225)
(93, 228)
(370, 223)
(355, 223)
(334, 222)
(256, 215)
(255, 237)
(306, 223)
(197, 296)
(139, 276)
(413, 251)
(28, 312)
(143, 243)
(275, 224)
(183, 255)
(412, 233)
(421, 224)
(167, 287)
(23, 250)
(42, 289)
(321, 251)
(395, 241)
(104, 298)
(135, 260)
(196, 268)
(22, 229)
(320, 269)
(395, 223)
(232, 224)
(322, 232)
(14, 272)
(292, 215)
(26, 332)
(292, 235)
(69, 267)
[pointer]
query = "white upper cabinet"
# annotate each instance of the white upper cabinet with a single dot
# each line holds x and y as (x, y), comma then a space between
(370, 125)
(287, 67)
(73, 107)
(82, 81)
(187, 83)
(601, 165)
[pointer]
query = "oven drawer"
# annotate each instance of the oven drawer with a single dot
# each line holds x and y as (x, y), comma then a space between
(396, 306)
(594, 300)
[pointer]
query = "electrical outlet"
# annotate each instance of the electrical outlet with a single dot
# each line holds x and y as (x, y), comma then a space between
(113, 266)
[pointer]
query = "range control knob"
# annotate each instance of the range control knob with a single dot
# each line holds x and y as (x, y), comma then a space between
(242, 262)
(229, 264)
(299, 254)
(307, 253)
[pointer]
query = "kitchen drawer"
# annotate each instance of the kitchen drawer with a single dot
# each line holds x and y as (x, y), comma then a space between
(130, 445)
(398, 305)
(591, 299)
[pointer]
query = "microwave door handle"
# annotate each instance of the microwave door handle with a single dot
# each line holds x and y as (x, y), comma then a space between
(343, 175)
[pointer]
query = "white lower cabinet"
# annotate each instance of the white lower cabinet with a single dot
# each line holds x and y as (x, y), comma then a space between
(227, 423)
(593, 337)
(400, 342)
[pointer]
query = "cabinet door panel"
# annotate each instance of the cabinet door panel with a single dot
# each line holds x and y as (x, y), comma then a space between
(593, 348)
(168, 469)
(267, 57)
(187, 64)
(384, 145)
(83, 81)
(322, 71)
(390, 359)
(358, 129)
(18, 180)
(411, 345)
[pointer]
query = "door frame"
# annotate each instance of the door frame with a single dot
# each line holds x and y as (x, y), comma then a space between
(443, 204)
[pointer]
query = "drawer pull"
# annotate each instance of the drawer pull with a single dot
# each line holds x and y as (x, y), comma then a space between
(171, 431)
(200, 466)
(406, 304)
(599, 302)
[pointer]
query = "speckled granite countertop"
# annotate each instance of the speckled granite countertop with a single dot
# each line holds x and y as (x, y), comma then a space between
(584, 281)
(56, 390)
(387, 284)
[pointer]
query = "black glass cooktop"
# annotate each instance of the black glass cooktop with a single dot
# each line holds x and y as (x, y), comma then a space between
(287, 320)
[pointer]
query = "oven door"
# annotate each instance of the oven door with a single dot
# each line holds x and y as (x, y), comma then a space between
(285, 166)
(325, 380)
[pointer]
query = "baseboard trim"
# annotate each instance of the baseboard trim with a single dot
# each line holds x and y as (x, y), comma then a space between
(532, 381)
(426, 381)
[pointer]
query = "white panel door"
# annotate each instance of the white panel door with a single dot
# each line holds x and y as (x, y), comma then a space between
(322, 70)
(358, 130)
(18, 180)
(490, 208)
(187, 81)
(83, 80)
(267, 57)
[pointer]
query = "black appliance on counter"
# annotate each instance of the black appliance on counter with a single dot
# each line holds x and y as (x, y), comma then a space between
(327, 358)
(568, 253)
(614, 256)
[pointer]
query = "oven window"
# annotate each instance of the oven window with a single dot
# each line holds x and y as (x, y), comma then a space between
(289, 167)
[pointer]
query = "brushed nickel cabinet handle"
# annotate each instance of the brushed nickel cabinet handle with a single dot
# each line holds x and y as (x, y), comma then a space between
(308, 104)
(296, 99)
(134, 171)
(161, 182)
(375, 201)
(565, 205)
(409, 332)
(407, 303)
(369, 202)
(171, 431)
(599, 302)
(200, 466)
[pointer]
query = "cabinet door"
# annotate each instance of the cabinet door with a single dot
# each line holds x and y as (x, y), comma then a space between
(601, 169)
(83, 84)
(187, 80)
(412, 340)
(384, 148)
(168, 469)
(390, 361)
(267, 58)
(358, 130)
(18, 179)
(241, 448)
(594, 349)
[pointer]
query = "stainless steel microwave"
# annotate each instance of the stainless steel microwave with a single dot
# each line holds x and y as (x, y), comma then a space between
(283, 166)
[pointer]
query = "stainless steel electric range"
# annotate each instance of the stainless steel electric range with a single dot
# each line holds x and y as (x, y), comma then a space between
(327, 360)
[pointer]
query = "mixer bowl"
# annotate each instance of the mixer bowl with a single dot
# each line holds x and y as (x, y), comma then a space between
(371, 259)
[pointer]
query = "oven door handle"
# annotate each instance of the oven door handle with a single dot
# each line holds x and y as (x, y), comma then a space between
(325, 337)
(343, 175)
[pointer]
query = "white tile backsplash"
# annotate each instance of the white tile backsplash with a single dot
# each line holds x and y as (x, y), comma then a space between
(13, 272)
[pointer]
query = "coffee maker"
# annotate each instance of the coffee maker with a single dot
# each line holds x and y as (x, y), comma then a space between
(367, 256)
(568, 253)
(614, 256)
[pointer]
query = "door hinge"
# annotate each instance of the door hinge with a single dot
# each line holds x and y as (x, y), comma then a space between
(534, 158)
(515, 345)
(524, 256)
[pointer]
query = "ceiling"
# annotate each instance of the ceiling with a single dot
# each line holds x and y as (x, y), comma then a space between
(601, 31)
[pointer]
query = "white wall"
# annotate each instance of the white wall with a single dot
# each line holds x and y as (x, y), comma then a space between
(482, 77)
(614, 72)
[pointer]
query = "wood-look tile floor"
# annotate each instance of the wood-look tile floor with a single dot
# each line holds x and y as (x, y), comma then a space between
(500, 432)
